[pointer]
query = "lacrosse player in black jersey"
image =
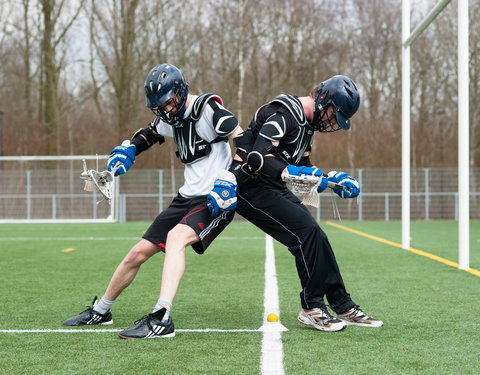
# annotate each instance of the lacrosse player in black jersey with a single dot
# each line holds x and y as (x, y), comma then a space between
(277, 143)
(201, 127)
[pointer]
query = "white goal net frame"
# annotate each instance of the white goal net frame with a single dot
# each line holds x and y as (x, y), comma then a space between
(409, 37)
(48, 189)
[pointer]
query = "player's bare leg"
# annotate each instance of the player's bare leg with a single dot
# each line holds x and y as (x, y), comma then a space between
(178, 239)
(99, 312)
(159, 323)
(128, 268)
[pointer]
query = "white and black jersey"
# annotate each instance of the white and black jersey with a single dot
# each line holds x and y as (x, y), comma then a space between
(201, 173)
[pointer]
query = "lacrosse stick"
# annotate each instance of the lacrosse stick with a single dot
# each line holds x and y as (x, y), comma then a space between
(101, 181)
(305, 187)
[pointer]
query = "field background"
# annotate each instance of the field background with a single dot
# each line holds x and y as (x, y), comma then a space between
(430, 310)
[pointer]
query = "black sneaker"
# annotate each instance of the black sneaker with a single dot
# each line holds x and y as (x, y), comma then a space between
(150, 327)
(90, 317)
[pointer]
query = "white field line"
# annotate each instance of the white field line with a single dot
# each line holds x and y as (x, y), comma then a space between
(272, 348)
(86, 330)
(107, 238)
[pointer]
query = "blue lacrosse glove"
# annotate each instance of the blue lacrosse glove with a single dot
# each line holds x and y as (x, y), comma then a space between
(293, 170)
(125, 155)
(223, 196)
(348, 186)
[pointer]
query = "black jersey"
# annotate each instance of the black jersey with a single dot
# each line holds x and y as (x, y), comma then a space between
(284, 121)
(281, 120)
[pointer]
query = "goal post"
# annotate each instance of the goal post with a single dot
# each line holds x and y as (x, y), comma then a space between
(48, 189)
(463, 122)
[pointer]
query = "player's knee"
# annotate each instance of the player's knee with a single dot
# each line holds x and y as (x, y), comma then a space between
(137, 255)
(319, 233)
(181, 235)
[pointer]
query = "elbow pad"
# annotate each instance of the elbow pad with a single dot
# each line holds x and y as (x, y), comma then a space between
(262, 158)
(145, 138)
(268, 165)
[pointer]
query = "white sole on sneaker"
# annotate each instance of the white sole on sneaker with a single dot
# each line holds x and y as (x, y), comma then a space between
(331, 327)
(372, 325)
(151, 337)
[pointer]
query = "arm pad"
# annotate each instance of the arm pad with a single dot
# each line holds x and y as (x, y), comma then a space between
(262, 158)
(145, 138)
(268, 165)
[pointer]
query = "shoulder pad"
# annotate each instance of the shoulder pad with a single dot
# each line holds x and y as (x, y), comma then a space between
(200, 103)
(154, 123)
(293, 105)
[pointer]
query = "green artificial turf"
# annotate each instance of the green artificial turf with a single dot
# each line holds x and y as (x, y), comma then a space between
(430, 309)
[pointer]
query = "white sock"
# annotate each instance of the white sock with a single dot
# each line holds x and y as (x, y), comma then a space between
(103, 305)
(163, 304)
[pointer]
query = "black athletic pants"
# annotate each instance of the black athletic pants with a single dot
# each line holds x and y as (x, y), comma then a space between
(279, 213)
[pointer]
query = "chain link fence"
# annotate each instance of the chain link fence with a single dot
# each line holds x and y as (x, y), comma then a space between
(57, 194)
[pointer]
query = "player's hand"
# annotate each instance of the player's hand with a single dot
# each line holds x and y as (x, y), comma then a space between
(348, 186)
(125, 155)
(223, 196)
(302, 171)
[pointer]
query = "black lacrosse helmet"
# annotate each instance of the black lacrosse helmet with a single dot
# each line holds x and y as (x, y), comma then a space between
(166, 83)
(340, 92)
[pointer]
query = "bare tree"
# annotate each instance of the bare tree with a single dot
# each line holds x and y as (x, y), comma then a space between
(53, 33)
(248, 52)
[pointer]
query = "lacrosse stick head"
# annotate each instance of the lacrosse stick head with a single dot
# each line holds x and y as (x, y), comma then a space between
(101, 181)
(305, 187)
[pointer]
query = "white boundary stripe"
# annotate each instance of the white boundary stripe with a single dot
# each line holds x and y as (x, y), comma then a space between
(107, 238)
(272, 348)
(86, 330)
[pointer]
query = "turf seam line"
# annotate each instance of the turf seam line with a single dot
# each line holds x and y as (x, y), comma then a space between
(411, 249)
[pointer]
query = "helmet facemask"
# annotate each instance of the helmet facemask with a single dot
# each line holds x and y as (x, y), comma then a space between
(172, 111)
(324, 118)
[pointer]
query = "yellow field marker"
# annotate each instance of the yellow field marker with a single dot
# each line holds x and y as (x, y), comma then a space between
(68, 250)
(411, 249)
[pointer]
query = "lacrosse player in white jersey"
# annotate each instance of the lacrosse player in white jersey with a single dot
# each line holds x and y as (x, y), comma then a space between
(275, 147)
(201, 128)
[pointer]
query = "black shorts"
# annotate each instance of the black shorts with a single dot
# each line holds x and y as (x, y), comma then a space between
(192, 212)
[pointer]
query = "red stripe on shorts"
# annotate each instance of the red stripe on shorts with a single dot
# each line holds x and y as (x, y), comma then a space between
(194, 211)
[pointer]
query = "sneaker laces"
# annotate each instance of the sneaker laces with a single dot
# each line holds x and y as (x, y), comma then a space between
(322, 311)
(357, 312)
(88, 308)
(142, 319)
